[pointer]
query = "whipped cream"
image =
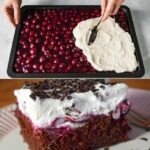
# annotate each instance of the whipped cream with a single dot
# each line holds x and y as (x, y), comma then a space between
(112, 50)
(43, 112)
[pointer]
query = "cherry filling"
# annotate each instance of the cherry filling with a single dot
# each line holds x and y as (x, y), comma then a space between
(60, 123)
(46, 43)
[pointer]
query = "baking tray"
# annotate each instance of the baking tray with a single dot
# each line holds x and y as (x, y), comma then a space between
(107, 74)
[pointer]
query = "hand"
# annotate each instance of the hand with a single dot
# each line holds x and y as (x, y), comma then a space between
(11, 9)
(110, 7)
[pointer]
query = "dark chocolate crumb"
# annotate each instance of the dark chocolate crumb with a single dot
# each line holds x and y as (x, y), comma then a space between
(33, 96)
(60, 88)
(102, 86)
(73, 105)
(96, 94)
(94, 90)
(69, 97)
(145, 139)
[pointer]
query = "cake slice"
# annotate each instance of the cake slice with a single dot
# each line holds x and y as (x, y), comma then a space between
(72, 114)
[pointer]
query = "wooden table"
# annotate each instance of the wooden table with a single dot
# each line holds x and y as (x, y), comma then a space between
(8, 86)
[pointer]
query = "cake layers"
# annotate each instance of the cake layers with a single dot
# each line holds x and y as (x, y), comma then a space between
(100, 131)
(70, 103)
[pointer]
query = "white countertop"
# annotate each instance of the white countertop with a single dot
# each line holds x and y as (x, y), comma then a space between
(140, 12)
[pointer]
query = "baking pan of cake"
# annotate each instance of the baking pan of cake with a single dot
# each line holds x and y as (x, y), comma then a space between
(44, 45)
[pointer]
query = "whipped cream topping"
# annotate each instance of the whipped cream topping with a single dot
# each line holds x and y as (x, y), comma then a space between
(112, 50)
(44, 112)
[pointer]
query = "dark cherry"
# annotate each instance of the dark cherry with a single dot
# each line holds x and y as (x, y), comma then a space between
(92, 69)
(27, 30)
(31, 39)
(49, 27)
(48, 65)
(35, 66)
(41, 58)
(37, 40)
(69, 67)
(27, 23)
(32, 26)
(33, 55)
(41, 67)
(23, 63)
(76, 55)
(38, 26)
(46, 42)
(59, 42)
(42, 33)
(29, 16)
(61, 52)
(18, 59)
(82, 58)
(78, 65)
(19, 52)
(56, 61)
(52, 42)
(50, 47)
(84, 69)
(32, 45)
(36, 34)
(33, 50)
(26, 70)
(34, 21)
(68, 57)
(55, 56)
(32, 33)
(74, 61)
(52, 70)
(62, 47)
(62, 65)
(56, 48)
(44, 23)
(67, 52)
(25, 46)
(28, 60)
(18, 70)
(54, 66)
(43, 28)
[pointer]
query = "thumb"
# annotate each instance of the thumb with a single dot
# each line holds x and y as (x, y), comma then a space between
(16, 13)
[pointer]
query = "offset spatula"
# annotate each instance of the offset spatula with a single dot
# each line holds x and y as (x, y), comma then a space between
(93, 34)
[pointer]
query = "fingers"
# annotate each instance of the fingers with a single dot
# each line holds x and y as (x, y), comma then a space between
(8, 14)
(109, 8)
(11, 9)
(103, 6)
(117, 7)
(16, 13)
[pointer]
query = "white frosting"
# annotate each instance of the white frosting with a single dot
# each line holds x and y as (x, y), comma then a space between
(112, 50)
(43, 112)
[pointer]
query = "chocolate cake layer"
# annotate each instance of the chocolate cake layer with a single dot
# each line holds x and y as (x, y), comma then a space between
(100, 131)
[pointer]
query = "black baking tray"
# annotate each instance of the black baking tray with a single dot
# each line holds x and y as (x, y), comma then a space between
(107, 74)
